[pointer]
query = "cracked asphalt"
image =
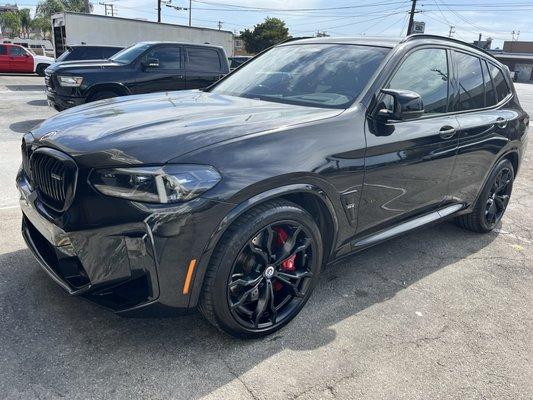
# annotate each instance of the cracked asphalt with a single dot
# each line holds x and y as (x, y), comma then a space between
(437, 314)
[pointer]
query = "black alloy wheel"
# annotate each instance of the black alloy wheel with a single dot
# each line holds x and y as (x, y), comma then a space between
(263, 270)
(499, 195)
(493, 200)
(271, 275)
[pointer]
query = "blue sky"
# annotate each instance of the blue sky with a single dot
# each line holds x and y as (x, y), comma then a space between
(494, 18)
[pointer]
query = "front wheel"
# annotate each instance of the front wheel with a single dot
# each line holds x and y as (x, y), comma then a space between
(263, 270)
(493, 200)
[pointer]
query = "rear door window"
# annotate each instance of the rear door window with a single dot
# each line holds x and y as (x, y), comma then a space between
(203, 59)
(3, 50)
(502, 89)
(470, 80)
(490, 93)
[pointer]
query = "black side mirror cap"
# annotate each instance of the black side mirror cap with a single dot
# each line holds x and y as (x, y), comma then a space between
(407, 105)
(151, 63)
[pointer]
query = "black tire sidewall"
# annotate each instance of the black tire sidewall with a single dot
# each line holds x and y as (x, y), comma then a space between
(234, 244)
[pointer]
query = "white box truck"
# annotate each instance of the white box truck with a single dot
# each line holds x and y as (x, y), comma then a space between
(91, 29)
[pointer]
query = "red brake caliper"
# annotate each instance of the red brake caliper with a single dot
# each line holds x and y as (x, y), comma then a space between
(288, 264)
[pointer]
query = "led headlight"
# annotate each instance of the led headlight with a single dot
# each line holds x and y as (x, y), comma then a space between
(168, 184)
(70, 81)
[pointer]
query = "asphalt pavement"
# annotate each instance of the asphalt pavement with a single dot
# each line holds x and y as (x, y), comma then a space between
(437, 314)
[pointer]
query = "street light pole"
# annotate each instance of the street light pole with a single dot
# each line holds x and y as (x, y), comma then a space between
(411, 18)
(190, 12)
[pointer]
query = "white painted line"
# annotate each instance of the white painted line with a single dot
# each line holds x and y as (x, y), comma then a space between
(9, 207)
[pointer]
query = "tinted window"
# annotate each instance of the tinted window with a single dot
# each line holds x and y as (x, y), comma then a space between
(3, 50)
(90, 53)
(64, 56)
(18, 51)
(490, 94)
(130, 54)
(203, 59)
(317, 75)
(169, 57)
(502, 90)
(470, 80)
(109, 51)
(426, 73)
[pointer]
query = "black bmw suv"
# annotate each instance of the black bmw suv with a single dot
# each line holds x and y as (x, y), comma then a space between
(232, 199)
(142, 68)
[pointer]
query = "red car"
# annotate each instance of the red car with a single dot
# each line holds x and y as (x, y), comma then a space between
(17, 59)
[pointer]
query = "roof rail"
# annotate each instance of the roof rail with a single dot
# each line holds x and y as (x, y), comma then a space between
(423, 35)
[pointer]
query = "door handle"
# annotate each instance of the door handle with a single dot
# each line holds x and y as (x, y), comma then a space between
(501, 122)
(447, 132)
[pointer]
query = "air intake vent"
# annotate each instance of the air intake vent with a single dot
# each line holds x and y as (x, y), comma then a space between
(54, 175)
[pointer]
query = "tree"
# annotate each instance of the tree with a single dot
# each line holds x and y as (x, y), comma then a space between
(43, 25)
(10, 21)
(46, 8)
(265, 35)
(25, 22)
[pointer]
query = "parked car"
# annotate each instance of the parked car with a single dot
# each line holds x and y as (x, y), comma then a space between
(232, 199)
(88, 52)
(143, 68)
(17, 59)
(237, 61)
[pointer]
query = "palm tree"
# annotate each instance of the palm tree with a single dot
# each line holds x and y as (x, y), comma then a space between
(25, 22)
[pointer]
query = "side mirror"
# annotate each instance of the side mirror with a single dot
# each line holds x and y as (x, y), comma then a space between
(151, 63)
(406, 105)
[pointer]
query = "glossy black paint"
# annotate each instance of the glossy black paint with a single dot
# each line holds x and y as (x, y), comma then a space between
(128, 79)
(362, 180)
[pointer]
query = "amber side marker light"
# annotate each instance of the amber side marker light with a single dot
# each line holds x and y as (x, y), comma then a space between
(188, 278)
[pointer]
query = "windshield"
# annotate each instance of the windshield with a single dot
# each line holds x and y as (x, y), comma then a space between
(318, 75)
(64, 55)
(129, 54)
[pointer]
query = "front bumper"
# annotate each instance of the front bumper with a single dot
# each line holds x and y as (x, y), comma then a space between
(134, 268)
(62, 102)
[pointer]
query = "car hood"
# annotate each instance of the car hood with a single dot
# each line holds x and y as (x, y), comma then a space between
(43, 59)
(154, 128)
(81, 65)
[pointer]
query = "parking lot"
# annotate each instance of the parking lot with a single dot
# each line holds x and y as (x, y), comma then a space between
(441, 313)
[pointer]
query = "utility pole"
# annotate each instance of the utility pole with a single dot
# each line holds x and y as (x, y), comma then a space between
(452, 31)
(87, 7)
(220, 25)
(158, 10)
(190, 12)
(479, 39)
(411, 17)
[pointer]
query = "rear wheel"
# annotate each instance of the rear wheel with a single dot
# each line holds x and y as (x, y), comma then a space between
(493, 200)
(263, 270)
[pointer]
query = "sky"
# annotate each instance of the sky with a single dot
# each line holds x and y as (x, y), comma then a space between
(492, 18)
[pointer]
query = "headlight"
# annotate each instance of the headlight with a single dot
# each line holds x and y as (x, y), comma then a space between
(70, 81)
(168, 184)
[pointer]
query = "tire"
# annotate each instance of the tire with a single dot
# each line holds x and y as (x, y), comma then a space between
(240, 257)
(494, 196)
(40, 69)
(105, 94)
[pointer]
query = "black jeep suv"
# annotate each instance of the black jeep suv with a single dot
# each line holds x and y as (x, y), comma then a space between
(143, 68)
(232, 199)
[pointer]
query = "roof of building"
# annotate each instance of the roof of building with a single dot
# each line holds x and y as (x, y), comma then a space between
(513, 56)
